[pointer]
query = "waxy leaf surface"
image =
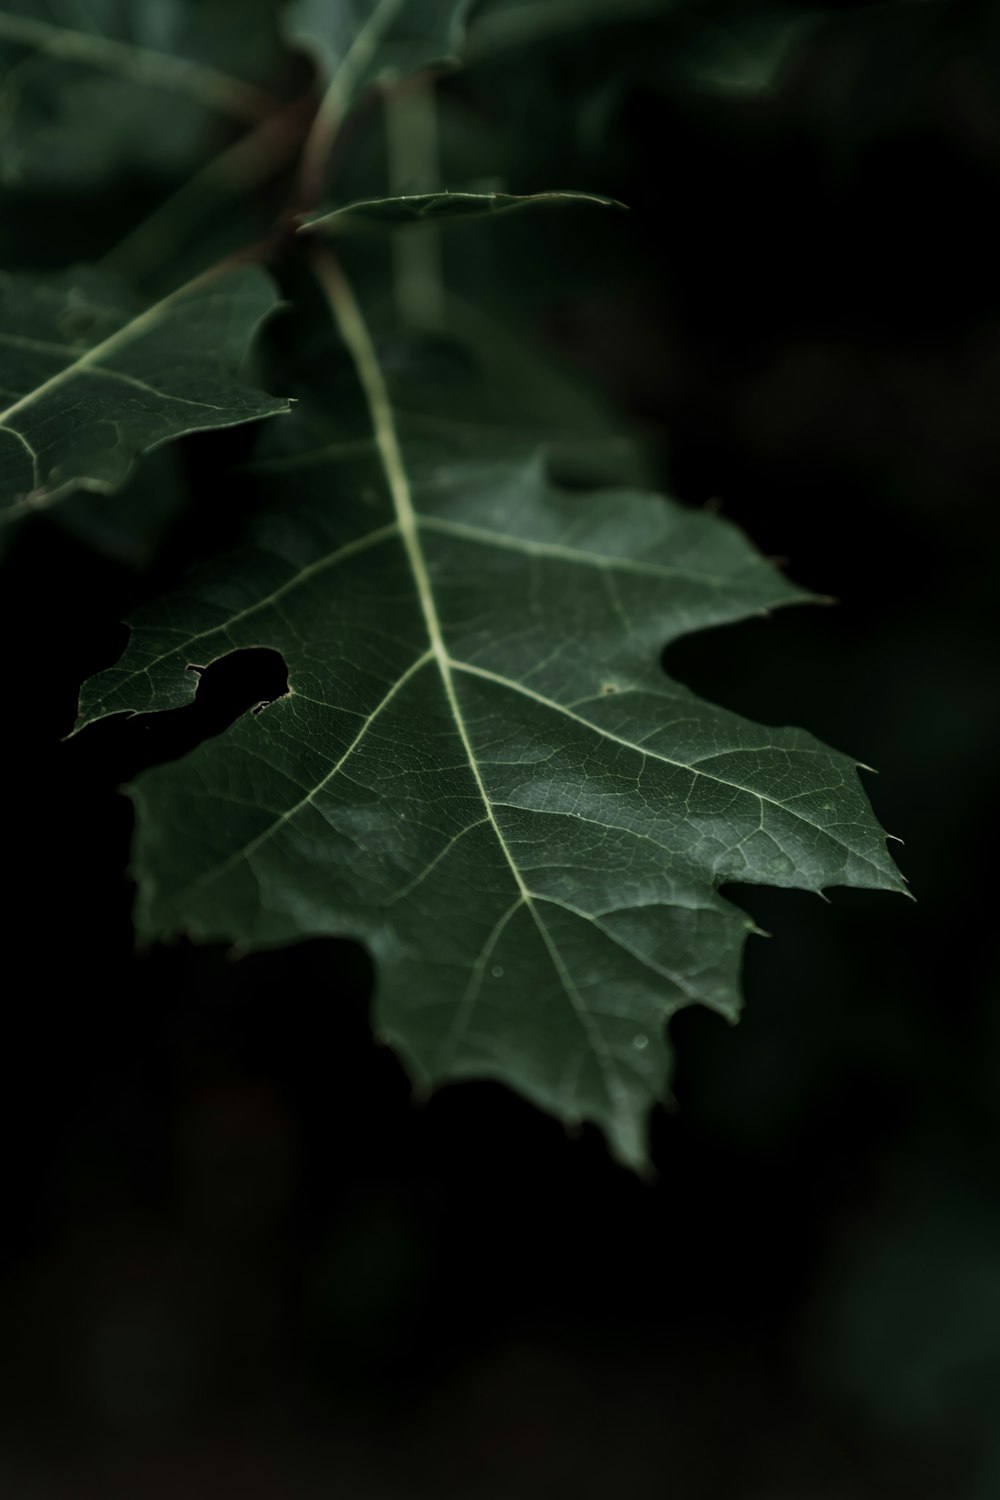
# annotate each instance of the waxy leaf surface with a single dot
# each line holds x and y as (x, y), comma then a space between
(90, 377)
(480, 768)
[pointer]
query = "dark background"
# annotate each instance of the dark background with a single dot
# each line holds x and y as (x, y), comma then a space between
(236, 1257)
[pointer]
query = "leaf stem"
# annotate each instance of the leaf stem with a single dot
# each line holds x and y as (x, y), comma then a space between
(240, 168)
(412, 143)
(337, 100)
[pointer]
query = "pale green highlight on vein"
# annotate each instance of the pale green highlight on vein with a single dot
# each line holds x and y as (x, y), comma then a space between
(356, 336)
(479, 767)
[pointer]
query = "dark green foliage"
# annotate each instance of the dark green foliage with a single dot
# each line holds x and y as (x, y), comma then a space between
(479, 767)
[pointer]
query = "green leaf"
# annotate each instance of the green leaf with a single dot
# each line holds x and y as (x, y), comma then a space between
(131, 524)
(90, 378)
(89, 89)
(499, 24)
(355, 42)
(741, 53)
(411, 208)
(480, 768)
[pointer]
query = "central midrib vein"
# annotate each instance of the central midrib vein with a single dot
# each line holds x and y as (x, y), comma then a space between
(354, 331)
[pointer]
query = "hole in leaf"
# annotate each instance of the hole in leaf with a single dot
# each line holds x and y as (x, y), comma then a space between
(243, 682)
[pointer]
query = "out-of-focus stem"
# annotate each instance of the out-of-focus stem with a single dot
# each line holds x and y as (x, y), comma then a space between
(337, 100)
(412, 142)
(241, 167)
